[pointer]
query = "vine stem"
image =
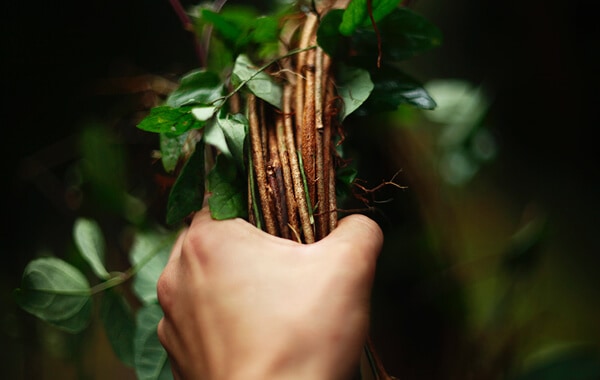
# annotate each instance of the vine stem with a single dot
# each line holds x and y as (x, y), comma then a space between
(308, 127)
(376, 29)
(259, 164)
(307, 31)
(295, 168)
(292, 206)
(322, 227)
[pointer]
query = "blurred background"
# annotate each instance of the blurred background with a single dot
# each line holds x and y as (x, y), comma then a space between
(490, 266)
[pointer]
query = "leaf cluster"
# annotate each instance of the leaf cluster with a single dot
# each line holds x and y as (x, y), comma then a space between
(379, 45)
(203, 138)
(367, 47)
(60, 294)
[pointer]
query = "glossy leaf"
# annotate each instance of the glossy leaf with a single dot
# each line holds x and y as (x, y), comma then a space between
(235, 130)
(56, 292)
(357, 15)
(392, 88)
(354, 87)
(119, 324)
(90, 242)
(196, 87)
(151, 360)
(227, 187)
(404, 34)
(150, 252)
(187, 194)
(166, 119)
(258, 82)
(170, 149)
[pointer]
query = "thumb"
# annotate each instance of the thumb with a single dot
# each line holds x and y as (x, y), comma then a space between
(359, 234)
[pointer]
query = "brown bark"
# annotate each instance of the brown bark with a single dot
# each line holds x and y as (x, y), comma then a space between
(259, 165)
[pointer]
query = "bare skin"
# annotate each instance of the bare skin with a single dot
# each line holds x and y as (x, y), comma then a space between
(242, 304)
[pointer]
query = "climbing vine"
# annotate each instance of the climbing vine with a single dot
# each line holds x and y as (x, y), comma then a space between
(260, 127)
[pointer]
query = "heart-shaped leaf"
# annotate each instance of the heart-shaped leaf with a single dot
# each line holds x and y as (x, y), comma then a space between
(56, 292)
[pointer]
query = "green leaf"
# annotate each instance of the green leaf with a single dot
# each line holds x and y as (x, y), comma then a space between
(328, 34)
(258, 82)
(228, 188)
(265, 29)
(235, 130)
(56, 292)
(187, 194)
(354, 87)
(204, 113)
(119, 325)
(264, 35)
(232, 24)
(151, 360)
(166, 119)
(229, 29)
(90, 242)
(170, 148)
(196, 87)
(404, 34)
(150, 253)
(220, 57)
(357, 15)
(213, 135)
(392, 88)
(77, 322)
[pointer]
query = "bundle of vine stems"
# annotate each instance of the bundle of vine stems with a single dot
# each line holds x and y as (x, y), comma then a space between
(292, 150)
(292, 181)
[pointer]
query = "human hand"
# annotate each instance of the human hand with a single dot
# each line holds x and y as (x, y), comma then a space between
(242, 304)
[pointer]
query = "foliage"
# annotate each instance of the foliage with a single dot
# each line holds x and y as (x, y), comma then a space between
(362, 87)
(60, 294)
(200, 118)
